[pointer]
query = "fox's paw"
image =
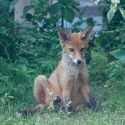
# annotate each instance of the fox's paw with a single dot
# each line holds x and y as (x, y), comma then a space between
(70, 112)
(56, 100)
(68, 107)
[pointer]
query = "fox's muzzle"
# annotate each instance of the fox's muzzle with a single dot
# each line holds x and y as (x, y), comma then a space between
(79, 61)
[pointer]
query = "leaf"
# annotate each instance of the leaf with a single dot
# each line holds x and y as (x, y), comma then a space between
(118, 54)
(122, 12)
(29, 17)
(107, 102)
(30, 71)
(16, 69)
(90, 22)
(98, 56)
(115, 1)
(32, 39)
(113, 72)
(110, 14)
(3, 30)
(96, 2)
(27, 8)
(113, 5)
(68, 14)
(3, 89)
(24, 68)
(74, 3)
(56, 7)
(25, 26)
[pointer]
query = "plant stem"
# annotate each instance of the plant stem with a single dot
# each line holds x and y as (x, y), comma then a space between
(62, 19)
(6, 53)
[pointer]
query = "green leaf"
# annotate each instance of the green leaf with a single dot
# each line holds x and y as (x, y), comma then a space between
(3, 30)
(56, 7)
(96, 2)
(118, 54)
(68, 14)
(110, 14)
(27, 8)
(115, 1)
(24, 68)
(90, 22)
(16, 69)
(25, 26)
(29, 17)
(30, 71)
(113, 5)
(98, 56)
(113, 72)
(3, 89)
(32, 39)
(122, 12)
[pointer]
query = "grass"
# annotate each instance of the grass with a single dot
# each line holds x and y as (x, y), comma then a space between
(112, 114)
(86, 117)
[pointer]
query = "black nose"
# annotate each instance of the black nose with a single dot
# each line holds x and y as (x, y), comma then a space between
(78, 61)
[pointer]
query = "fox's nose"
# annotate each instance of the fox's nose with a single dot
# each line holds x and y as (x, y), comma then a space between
(78, 61)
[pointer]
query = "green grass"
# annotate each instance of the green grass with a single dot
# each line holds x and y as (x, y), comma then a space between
(113, 112)
(86, 117)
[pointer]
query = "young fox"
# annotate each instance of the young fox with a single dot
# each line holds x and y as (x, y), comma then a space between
(67, 86)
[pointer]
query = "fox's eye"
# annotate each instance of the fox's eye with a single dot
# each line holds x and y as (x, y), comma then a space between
(71, 49)
(82, 49)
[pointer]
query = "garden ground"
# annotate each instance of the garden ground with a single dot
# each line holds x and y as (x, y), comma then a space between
(113, 112)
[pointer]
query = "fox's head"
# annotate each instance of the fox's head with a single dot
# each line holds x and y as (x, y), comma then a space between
(75, 44)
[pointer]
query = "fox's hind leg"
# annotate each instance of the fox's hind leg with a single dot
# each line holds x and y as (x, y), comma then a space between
(32, 111)
(41, 90)
(42, 95)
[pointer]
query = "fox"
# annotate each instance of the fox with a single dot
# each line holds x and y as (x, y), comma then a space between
(67, 87)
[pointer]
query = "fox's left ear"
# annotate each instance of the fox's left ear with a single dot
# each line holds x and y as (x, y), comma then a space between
(85, 35)
(64, 36)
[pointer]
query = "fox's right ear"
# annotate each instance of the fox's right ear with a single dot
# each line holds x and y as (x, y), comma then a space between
(85, 34)
(64, 35)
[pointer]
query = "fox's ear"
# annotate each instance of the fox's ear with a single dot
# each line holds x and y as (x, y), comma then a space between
(85, 35)
(64, 35)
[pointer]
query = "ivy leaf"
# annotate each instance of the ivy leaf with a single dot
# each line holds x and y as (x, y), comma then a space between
(56, 7)
(68, 14)
(110, 14)
(115, 1)
(122, 12)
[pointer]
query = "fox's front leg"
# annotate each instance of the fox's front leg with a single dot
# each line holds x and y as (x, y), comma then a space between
(67, 102)
(88, 96)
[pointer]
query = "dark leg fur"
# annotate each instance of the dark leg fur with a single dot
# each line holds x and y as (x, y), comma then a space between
(39, 108)
(68, 107)
(56, 100)
(92, 103)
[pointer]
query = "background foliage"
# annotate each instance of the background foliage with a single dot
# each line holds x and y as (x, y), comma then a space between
(33, 48)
